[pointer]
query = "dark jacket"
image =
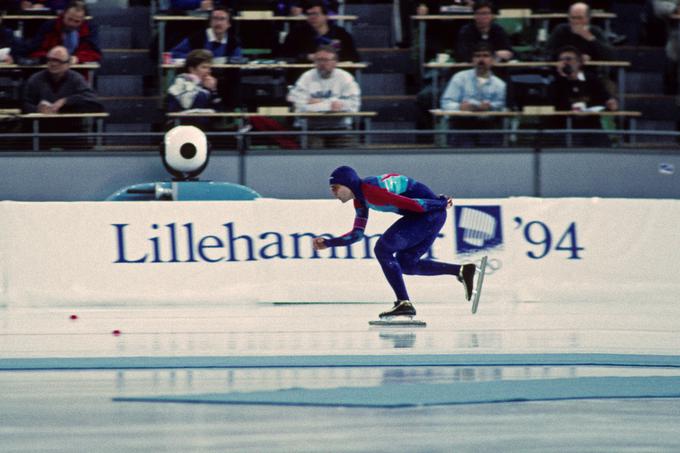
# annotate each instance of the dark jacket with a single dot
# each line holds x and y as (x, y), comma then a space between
(303, 40)
(199, 40)
(598, 49)
(80, 97)
(469, 36)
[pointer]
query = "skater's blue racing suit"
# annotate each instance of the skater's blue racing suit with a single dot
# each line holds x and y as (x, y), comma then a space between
(400, 248)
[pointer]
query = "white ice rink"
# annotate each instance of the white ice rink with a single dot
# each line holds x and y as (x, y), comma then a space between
(63, 405)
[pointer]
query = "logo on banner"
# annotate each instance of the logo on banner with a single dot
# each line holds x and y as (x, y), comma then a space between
(477, 228)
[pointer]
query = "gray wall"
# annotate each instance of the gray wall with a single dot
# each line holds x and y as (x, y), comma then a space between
(303, 174)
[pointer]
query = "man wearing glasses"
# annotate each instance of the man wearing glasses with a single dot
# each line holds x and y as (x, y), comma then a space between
(58, 88)
(327, 89)
(219, 38)
(577, 90)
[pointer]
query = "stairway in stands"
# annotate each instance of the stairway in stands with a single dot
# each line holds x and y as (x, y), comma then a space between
(124, 36)
(384, 82)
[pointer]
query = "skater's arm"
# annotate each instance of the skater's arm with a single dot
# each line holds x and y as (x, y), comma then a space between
(360, 220)
(383, 197)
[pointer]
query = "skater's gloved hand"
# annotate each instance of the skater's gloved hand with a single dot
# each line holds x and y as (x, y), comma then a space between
(449, 200)
(319, 243)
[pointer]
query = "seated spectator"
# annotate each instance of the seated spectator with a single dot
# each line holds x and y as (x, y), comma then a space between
(304, 39)
(439, 34)
(475, 90)
(327, 89)
(579, 33)
(483, 28)
(219, 38)
(58, 89)
(195, 88)
(577, 90)
(70, 30)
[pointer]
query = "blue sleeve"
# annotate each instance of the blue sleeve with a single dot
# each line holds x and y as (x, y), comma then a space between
(357, 233)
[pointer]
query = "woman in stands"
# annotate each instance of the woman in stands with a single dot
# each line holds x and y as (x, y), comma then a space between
(195, 88)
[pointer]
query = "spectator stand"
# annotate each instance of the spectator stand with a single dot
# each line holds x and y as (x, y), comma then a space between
(619, 65)
(22, 18)
(170, 69)
(162, 20)
(95, 122)
(442, 118)
(88, 68)
(359, 117)
(505, 19)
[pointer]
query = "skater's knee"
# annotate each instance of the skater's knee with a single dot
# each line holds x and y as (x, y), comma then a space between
(382, 250)
(407, 263)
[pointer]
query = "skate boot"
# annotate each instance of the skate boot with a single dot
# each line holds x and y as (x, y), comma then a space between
(401, 308)
(466, 276)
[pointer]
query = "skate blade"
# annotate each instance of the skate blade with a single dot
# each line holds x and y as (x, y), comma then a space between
(477, 292)
(398, 321)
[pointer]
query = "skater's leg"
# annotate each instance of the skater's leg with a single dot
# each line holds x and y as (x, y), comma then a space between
(404, 233)
(410, 260)
(384, 250)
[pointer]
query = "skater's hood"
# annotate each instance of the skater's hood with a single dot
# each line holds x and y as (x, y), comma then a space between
(347, 176)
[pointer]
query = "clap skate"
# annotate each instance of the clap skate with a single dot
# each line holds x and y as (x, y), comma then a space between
(402, 314)
(467, 276)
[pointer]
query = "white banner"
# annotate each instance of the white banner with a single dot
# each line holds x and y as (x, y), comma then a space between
(104, 253)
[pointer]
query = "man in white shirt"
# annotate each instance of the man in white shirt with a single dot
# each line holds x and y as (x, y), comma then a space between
(326, 88)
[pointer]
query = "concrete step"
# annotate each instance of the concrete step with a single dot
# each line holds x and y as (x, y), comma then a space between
(120, 85)
(391, 108)
(642, 58)
(374, 13)
(382, 84)
(126, 61)
(133, 109)
(137, 18)
(117, 37)
(386, 59)
(654, 107)
(644, 82)
(366, 35)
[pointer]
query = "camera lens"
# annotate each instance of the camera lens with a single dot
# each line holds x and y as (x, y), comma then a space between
(188, 150)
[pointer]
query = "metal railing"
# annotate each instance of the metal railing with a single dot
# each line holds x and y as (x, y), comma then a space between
(246, 139)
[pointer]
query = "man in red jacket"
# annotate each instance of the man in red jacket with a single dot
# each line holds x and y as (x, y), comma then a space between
(70, 30)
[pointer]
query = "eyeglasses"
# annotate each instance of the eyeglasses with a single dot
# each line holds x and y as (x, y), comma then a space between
(324, 60)
(567, 58)
(57, 61)
(219, 18)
